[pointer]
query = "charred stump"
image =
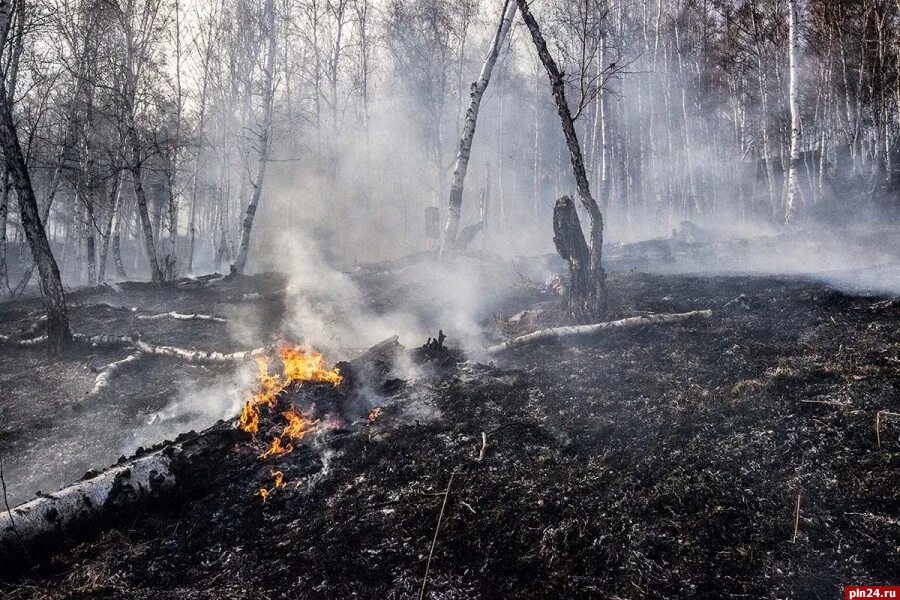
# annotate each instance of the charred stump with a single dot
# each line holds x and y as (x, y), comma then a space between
(584, 288)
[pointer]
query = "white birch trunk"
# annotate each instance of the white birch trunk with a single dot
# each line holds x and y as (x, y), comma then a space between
(240, 261)
(792, 198)
(465, 142)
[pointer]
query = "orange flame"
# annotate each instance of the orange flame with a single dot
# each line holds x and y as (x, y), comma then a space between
(263, 493)
(279, 478)
(250, 418)
(298, 365)
(298, 424)
(277, 449)
(269, 385)
(301, 365)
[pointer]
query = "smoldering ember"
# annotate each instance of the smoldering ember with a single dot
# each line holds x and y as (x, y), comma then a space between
(467, 299)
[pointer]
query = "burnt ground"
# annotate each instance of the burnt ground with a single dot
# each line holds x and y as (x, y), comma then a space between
(663, 461)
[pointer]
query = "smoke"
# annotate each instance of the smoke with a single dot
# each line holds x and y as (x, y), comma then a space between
(197, 406)
(345, 312)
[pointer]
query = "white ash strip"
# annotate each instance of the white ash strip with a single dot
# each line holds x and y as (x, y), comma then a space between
(8, 340)
(105, 376)
(198, 356)
(182, 317)
(140, 346)
(575, 331)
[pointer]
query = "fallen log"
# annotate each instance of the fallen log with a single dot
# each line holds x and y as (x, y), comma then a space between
(104, 377)
(8, 340)
(182, 317)
(33, 531)
(134, 342)
(372, 366)
(198, 356)
(574, 331)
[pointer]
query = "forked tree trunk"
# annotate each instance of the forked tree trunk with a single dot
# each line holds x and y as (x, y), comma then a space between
(240, 261)
(594, 301)
(465, 142)
(792, 198)
(58, 331)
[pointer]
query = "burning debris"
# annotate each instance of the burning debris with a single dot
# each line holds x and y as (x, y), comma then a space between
(299, 365)
(305, 398)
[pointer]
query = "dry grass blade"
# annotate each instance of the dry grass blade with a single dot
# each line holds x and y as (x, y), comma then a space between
(878, 416)
(437, 530)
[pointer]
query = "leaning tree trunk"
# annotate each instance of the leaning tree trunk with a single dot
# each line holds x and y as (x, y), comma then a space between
(594, 301)
(136, 169)
(240, 261)
(115, 198)
(58, 331)
(792, 198)
(465, 142)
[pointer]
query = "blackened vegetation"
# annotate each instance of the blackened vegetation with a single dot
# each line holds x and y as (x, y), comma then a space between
(663, 461)
(434, 356)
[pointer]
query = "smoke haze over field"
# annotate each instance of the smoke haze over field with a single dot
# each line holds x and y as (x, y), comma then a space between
(681, 112)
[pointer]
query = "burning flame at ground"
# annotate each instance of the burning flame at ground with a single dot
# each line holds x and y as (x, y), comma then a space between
(277, 448)
(298, 424)
(298, 365)
(279, 483)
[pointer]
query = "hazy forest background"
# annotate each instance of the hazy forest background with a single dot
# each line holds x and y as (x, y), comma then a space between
(342, 118)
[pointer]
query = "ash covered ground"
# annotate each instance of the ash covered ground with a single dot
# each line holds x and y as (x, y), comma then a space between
(663, 461)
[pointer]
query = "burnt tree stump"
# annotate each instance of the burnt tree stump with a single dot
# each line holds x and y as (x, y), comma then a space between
(571, 245)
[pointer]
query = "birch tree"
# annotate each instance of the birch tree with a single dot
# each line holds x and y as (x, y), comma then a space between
(59, 333)
(592, 300)
(792, 197)
(468, 134)
(264, 142)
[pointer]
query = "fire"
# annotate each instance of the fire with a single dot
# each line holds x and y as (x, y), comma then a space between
(264, 493)
(250, 418)
(301, 365)
(279, 478)
(277, 449)
(298, 365)
(269, 385)
(298, 424)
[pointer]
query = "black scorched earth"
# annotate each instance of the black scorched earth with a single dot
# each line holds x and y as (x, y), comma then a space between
(752, 454)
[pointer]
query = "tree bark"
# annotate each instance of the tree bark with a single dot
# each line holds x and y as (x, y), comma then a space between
(465, 143)
(569, 240)
(240, 261)
(595, 302)
(4, 217)
(576, 331)
(156, 275)
(58, 331)
(35, 530)
(115, 200)
(792, 198)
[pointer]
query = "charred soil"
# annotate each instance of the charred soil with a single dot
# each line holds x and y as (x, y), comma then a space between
(664, 461)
